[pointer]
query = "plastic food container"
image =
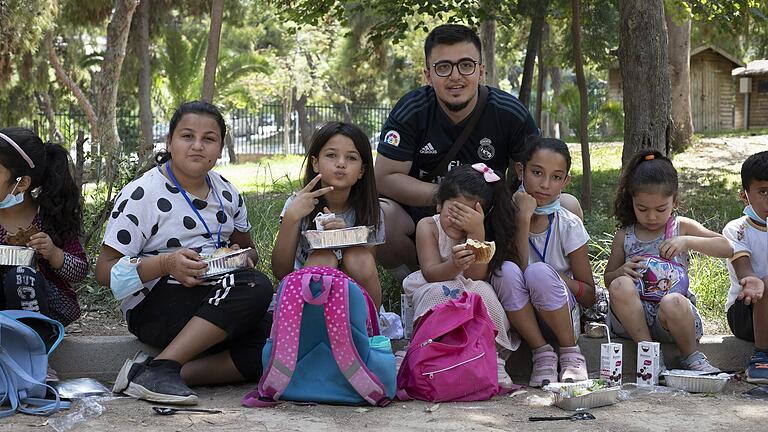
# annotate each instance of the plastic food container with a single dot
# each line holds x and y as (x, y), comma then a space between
(694, 382)
(340, 238)
(16, 255)
(223, 264)
(592, 399)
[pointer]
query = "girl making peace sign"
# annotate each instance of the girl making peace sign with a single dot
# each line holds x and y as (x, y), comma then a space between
(338, 179)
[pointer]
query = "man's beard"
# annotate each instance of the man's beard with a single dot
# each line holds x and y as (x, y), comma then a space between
(456, 107)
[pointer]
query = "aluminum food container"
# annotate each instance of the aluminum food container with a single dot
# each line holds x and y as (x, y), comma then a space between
(340, 238)
(598, 398)
(223, 264)
(16, 255)
(694, 382)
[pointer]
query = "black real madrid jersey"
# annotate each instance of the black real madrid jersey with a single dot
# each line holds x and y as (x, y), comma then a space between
(418, 130)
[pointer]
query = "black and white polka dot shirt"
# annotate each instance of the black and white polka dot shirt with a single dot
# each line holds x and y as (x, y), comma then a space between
(152, 217)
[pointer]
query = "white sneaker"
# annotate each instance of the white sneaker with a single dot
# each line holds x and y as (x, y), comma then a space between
(121, 382)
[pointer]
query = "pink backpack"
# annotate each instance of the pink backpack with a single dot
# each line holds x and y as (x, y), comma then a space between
(452, 356)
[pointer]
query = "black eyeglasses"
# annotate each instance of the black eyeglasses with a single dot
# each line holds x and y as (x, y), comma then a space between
(445, 68)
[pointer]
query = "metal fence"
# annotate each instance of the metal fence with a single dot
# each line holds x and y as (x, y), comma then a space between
(254, 131)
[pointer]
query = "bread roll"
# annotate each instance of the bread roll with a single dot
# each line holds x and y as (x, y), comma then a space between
(222, 251)
(483, 250)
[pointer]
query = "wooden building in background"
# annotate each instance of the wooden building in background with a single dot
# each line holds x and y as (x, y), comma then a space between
(752, 96)
(713, 91)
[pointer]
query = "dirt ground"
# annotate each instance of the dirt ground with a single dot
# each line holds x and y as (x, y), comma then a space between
(643, 411)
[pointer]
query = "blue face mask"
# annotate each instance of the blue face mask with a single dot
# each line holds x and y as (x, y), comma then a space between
(124, 278)
(11, 199)
(546, 209)
(749, 211)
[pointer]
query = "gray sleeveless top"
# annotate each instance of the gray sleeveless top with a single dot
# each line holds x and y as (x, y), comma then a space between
(634, 246)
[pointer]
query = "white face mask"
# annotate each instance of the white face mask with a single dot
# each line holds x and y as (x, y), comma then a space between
(748, 210)
(11, 199)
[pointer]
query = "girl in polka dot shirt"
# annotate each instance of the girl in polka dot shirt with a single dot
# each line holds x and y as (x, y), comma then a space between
(208, 331)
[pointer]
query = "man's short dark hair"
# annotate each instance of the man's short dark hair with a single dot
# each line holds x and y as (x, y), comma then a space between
(754, 168)
(451, 34)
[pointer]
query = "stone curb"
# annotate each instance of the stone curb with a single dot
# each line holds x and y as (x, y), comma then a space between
(101, 357)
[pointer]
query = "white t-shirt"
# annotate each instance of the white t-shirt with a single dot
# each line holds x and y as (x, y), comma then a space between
(747, 239)
(567, 235)
(152, 217)
(349, 217)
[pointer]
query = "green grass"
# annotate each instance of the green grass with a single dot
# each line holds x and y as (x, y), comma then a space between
(707, 195)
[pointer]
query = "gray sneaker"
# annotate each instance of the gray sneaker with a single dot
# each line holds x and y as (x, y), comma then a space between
(697, 361)
(162, 384)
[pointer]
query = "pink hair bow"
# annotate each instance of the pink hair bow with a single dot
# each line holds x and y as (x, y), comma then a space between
(487, 172)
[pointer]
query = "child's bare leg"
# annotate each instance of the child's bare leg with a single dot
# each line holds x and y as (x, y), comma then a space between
(322, 257)
(524, 321)
(214, 369)
(676, 316)
(360, 264)
(760, 322)
(626, 305)
(559, 320)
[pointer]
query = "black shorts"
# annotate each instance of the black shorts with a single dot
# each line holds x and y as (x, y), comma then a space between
(740, 321)
(237, 304)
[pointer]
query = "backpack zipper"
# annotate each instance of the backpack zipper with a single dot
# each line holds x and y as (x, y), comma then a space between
(432, 373)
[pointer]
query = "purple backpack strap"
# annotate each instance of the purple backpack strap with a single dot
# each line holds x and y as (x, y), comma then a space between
(343, 347)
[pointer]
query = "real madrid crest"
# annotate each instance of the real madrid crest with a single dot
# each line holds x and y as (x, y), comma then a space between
(486, 151)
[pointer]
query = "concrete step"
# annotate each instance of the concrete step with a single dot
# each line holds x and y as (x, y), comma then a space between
(101, 357)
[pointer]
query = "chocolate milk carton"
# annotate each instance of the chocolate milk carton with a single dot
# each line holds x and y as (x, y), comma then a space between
(648, 363)
(610, 363)
(406, 315)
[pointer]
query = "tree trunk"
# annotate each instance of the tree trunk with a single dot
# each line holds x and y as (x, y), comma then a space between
(559, 109)
(305, 129)
(145, 84)
(67, 82)
(229, 142)
(581, 82)
(212, 54)
(79, 159)
(680, 79)
(44, 101)
(488, 39)
(106, 135)
(287, 96)
(645, 76)
(542, 81)
(534, 36)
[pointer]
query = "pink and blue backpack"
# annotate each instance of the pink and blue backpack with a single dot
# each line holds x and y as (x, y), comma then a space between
(325, 344)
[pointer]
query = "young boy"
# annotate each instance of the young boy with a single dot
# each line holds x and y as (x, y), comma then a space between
(747, 305)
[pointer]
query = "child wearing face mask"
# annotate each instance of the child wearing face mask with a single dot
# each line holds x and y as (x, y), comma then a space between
(543, 293)
(41, 210)
(747, 304)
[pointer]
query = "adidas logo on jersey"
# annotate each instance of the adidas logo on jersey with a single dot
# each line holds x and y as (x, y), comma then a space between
(428, 149)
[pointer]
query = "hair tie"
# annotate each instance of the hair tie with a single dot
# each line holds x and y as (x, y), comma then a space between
(18, 149)
(487, 173)
(650, 157)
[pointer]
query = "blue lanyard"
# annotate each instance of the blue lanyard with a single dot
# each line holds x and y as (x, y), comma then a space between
(543, 256)
(197, 213)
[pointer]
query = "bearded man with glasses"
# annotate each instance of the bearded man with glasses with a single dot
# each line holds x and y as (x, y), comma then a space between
(425, 124)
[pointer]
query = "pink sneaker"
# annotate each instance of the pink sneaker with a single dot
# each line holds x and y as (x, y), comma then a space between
(573, 367)
(544, 368)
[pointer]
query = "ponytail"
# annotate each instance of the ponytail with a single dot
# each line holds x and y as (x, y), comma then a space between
(500, 226)
(647, 171)
(59, 199)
